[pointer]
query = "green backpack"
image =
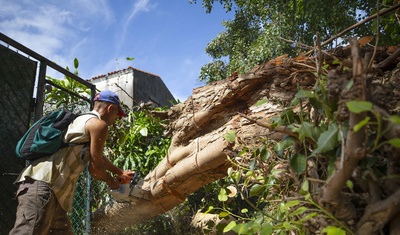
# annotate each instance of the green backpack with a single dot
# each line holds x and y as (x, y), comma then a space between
(45, 137)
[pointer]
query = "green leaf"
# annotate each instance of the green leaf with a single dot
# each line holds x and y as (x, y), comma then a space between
(210, 208)
(76, 63)
(222, 196)
(256, 189)
(331, 230)
(230, 136)
(266, 229)
(359, 106)
(130, 58)
(244, 210)
(236, 176)
(304, 94)
(287, 225)
(308, 216)
(395, 142)
(349, 184)
(395, 119)
(317, 132)
(244, 228)
(287, 117)
(306, 131)
(328, 140)
(254, 226)
(285, 206)
(298, 211)
(229, 226)
(284, 144)
(252, 164)
(318, 105)
(350, 84)
(305, 187)
(264, 153)
(223, 214)
(295, 101)
(361, 124)
(261, 102)
(298, 163)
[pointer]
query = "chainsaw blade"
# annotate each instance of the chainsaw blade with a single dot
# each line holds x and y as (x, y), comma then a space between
(136, 190)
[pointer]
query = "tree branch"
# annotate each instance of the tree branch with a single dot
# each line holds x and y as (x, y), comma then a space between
(383, 12)
(378, 214)
(331, 196)
(390, 59)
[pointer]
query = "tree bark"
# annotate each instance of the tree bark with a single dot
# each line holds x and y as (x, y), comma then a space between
(198, 154)
(331, 196)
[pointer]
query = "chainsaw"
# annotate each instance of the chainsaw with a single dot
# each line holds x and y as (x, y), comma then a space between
(130, 186)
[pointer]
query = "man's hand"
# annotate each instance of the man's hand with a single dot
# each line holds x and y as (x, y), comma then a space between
(128, 181)
(124, 178)
(114, 184)
(128, 172)
(121, 193)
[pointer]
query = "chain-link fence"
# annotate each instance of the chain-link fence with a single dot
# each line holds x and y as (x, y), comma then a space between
(89, 196)
(20, 106)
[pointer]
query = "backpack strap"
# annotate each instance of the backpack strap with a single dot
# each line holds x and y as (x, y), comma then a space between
(85, 144)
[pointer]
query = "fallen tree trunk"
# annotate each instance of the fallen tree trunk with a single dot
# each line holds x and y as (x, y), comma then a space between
(198, 154)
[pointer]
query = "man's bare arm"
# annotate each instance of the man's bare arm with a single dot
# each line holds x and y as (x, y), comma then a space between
(99, 165)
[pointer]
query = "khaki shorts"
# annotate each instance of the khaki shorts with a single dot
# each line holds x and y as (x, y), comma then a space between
(39, 212)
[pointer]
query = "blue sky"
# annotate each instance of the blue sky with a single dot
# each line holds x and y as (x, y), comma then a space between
(166, 37)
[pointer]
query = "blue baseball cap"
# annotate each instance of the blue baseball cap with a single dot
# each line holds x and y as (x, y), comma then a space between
(110, 97)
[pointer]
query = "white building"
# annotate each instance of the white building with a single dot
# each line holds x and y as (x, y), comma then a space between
(134, 86)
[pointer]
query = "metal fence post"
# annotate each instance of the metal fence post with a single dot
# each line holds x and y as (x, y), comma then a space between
(88, 210)
(40, 91)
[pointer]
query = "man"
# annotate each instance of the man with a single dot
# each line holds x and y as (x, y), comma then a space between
(46, 187)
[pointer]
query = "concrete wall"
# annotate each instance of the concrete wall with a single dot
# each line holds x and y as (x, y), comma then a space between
(134, 86)
(148, 87)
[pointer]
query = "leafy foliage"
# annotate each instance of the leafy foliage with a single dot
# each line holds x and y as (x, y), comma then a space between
(57, 98)
(137, 142)
(262, 203)
(274, 191)
(264, 29)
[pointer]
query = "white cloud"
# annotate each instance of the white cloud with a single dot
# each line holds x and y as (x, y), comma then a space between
(8, 7)
(78, 45)
(89, 12)
(40, 43)
(55, 29)
(188, 61)
(139, 6)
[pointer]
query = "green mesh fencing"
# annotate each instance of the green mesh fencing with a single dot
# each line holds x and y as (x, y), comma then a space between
(17, 79)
